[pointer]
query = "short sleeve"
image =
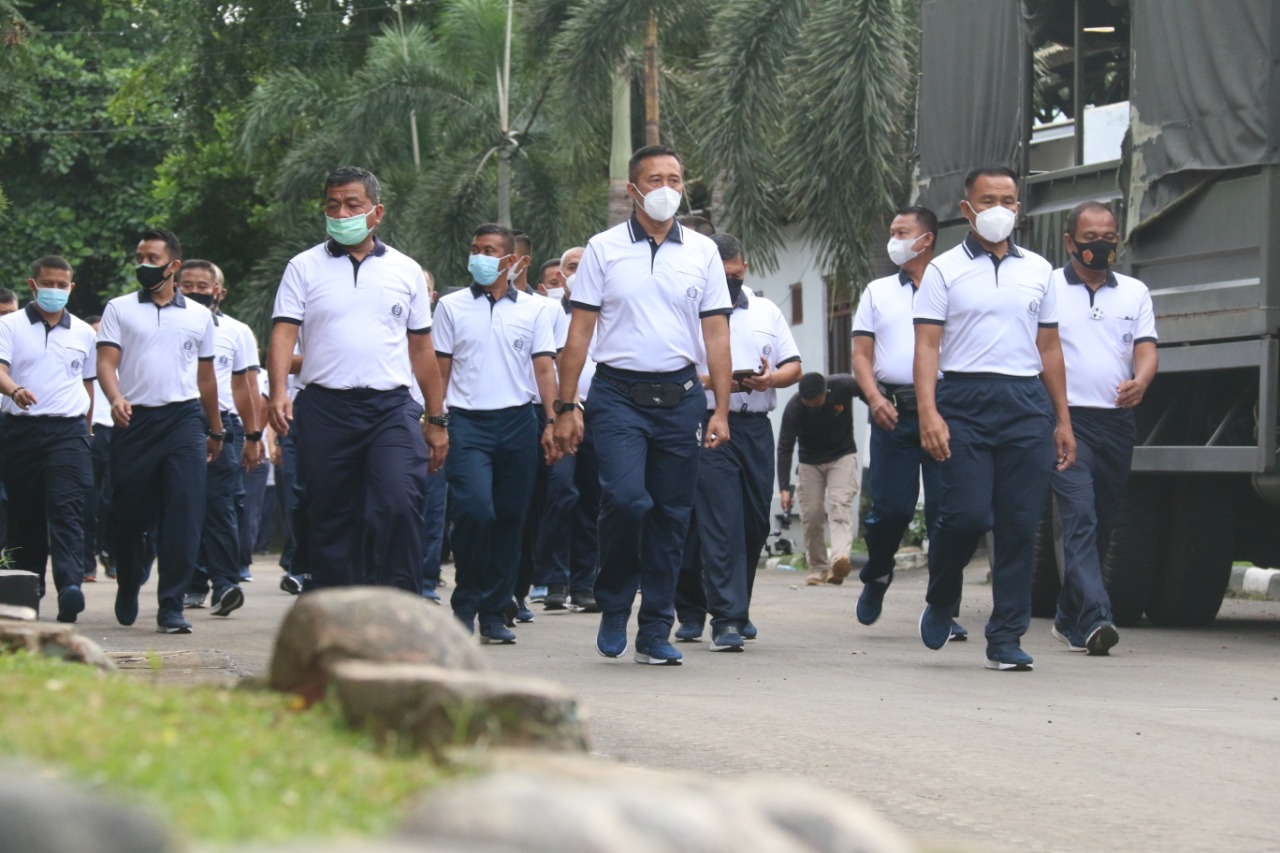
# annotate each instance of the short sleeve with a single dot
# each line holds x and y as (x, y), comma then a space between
(715, 296)
(246, 357)
(931, 300)
(864, 317)
(208, 343)
(1048, 316)
(588, 285)
(442, 329)
(6, 343)
(109, 328)
(787, 349)
(420, 306)
(561, 327)
(291, 298)
(90, 371)
(544, 331)
(1145, 328)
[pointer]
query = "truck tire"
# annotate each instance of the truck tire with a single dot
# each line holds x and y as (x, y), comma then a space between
(1197, 560)
(1047, 583)
(1136, 551)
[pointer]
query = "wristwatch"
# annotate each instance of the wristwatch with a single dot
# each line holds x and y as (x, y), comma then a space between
(216, 436)
(253, 436)
(441, 420)
(560, 406)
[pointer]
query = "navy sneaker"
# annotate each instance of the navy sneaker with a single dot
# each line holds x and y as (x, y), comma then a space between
(538, 593)
(611, 639)
(749, 630)
(656, 651)
(495, 633)
(689, 632)
(523, 613)
(935, 626)
(727, 639)
(1102, 637)
(870, 602)
(432, 596)
(291, 584)
(959, 633)
(172, 623)
(555, 598)
(246, 576)
(71, 603)
(1008, 656)
(1069, 636)
(583, 601)
(232, 599)
(126, 605)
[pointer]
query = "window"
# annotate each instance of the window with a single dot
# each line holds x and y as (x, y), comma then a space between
(797, 304)
(840, 337)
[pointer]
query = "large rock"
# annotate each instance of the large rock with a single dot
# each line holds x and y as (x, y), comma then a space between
(19, 588)
(562, 805)
(52, 640)
(47, 816)
(431, 708)
(18, 613)
(364, 623)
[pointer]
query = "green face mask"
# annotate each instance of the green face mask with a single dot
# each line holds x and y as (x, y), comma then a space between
(350, 231)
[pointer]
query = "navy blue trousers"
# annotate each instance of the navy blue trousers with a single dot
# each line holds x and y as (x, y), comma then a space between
(491, 467)
(433, 519)
(730, 525)
(528, 575)
(1088, 496)
(255, 509)
(97, 498)
(158, 475)
(897, 464)
(220, 537)
(568, 547)
(288, 494)
(648, 474)
(362, 462)
(996, 479)
(47, 470)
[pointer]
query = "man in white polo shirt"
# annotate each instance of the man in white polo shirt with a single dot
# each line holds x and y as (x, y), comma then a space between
(988, 307)
(495, 344)
(235, 364)
(735, 480)
(1109, 343)
(654, 296)
(46, 371)
(362, 460)
(155, 365)
(883, 352)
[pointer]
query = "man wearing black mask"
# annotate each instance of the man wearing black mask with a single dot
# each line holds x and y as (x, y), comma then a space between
(155, 366)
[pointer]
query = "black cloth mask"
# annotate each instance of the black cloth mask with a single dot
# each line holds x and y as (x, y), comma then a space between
(1096, 254)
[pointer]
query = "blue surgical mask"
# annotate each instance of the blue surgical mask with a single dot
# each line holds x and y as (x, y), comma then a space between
(350, 231)
(484, 269)
(51, 299)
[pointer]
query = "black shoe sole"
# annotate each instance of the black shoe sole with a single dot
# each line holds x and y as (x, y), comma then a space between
(232, 599)
(1102, 640)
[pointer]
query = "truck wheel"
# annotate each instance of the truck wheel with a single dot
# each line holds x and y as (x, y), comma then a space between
(1135, 552)
(1046, 583)
(1197, 564)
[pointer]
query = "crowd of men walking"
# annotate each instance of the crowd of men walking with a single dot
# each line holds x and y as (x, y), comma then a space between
(598, 433)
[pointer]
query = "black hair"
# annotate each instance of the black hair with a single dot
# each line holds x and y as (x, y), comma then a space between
(701, 224)
(344, 175)
(1073, 218)
(924, 216)
(730, 246)
(508, 236)
(812, 385)
(642, 154)
(522, 237)
(49, 262)
(92, 318)
(988, 172)
(197, 264)
(167, 237)
(7, 296)
(546, 265)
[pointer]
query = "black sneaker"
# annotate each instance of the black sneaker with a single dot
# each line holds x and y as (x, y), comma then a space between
(1102, 637)
(70, 603)
(172, 624)
(727, 639)
(126, 605)
(291, 584)
(555, 598)
(495, 633)
(583, 601)
(232, 599)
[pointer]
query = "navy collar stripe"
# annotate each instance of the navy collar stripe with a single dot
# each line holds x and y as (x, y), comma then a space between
(34, 316)
(1069, 273)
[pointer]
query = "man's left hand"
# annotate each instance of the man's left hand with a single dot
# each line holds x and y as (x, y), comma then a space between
(763, 380)
(213, 449)
(1130, 393)
(251, 456)
(717, 431)
(1064, 441)
(437, 439)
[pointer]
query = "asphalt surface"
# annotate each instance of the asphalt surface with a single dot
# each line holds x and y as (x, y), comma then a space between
(1172, 742)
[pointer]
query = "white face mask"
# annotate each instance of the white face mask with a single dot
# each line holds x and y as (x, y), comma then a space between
(662, 203)
(995, 224)
(556, 293)
(568, 282)
(900, 251)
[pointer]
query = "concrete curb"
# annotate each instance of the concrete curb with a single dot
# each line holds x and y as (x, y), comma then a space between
(1251, 580)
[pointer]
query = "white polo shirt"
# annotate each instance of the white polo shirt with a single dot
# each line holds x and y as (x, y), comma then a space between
(990, 310)
(884, 314)
(1099, 329)
(651, 298)
(357, 315)
(756, 329)
(236, 353)
(160, 346)
(101, 406)
(562, 337)
(492, 343)
(52, 362)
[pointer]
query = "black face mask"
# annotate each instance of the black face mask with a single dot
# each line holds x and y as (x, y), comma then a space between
(205, 299)
(152, 278)
(1095, 255)
(735, 289)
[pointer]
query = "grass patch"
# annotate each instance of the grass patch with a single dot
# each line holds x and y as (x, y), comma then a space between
(220, 766)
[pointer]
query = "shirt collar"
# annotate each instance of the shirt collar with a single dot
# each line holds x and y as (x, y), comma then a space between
(1069, 272)
(744, 298)
(639, 235)
(179, 301)
(337, 250)
(973, 248)
(903, 278)
(477, 291)
(34, 316)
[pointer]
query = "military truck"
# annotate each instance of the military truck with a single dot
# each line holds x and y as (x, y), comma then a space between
(1170, 111)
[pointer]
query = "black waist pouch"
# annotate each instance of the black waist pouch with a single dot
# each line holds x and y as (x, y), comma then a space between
(650, 395)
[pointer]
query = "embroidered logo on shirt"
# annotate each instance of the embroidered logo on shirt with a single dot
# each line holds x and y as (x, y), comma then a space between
(223, 360)
(691, 292)
(1128, 337)
(397, 309)
(188, 345)
(1096, 313)
(1033, 307)
(518, 343)
(768, 350)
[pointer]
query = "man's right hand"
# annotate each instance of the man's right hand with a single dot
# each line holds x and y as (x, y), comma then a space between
(121, 412)
(280, 413)
(784, 500)
(885, 414)
(568, 431)
(935, 436)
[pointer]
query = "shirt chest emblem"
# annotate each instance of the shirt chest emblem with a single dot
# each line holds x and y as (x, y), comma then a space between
(1033, 307)
(1096, 313)
(397, 310)
(188, 345)
(691, 292)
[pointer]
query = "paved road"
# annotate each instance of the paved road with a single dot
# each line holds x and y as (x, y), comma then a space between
(1171, 743)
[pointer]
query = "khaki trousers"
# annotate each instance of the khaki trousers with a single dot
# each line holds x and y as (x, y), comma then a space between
(831, 486)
